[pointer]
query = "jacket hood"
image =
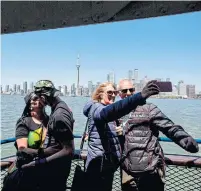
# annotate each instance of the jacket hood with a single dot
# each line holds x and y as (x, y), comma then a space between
(87, 107)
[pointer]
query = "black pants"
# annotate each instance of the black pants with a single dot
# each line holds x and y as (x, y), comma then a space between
(99, 180)
(142, 183)
(51, 178)
(54, 178)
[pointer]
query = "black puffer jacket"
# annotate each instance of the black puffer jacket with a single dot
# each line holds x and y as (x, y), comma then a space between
(142, 151)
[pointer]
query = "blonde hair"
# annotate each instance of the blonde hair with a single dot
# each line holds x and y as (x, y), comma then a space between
(97, 95)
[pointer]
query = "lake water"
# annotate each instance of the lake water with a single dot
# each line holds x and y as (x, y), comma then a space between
(186, 113)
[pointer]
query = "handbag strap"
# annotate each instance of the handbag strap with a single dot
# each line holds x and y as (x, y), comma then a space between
(107, 146)
(85, 130)
(84, 134)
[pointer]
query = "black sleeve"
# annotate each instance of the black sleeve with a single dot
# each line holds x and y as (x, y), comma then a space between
(63, 132)
(119, 109)
(21, 129)
(166, 126)
(46, 121)
(63, 126)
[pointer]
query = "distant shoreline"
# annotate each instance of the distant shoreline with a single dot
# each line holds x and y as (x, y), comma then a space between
(161, 97)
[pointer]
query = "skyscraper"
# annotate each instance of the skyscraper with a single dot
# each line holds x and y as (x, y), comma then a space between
(90, 87)
(135, 75)
(174, 90)
(78, 74)
(73, 89)
(80, 91)
(181, 88)
(31, 86)
(7, 88)
(190, 91)
(65, 90)
(85, 91)
(130, 75)
(14, 88)
(111, 77)
(25, 87)
(108, 77)
(18, 88)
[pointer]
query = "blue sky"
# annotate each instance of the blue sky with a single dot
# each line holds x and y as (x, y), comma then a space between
(158, 47)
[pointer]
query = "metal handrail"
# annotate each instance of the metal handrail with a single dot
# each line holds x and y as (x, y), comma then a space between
(163, 139)
(13, 139)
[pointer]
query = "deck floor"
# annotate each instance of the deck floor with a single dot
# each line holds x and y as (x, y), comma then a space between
(177, 178)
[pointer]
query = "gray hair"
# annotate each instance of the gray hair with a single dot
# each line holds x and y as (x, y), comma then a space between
(121, 81)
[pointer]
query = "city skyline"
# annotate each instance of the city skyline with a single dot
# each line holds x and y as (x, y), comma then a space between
(165, 47)
(30, 83)
(181, 88)
(104, 79)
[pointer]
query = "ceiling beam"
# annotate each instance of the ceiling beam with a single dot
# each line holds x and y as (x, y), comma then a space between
(23, 16)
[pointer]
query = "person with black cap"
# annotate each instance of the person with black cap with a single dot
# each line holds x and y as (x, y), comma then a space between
(60, 140)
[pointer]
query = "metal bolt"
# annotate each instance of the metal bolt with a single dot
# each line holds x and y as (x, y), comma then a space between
(85, 20)
(97, 17)
(64, 22)
(192, 6)
(163, 10)
(6, 28)
(23, 26)
(137, 13)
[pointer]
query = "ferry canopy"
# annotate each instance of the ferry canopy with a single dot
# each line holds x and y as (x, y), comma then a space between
(22, 16)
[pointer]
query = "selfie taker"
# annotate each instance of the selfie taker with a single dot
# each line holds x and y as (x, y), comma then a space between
(143, 165)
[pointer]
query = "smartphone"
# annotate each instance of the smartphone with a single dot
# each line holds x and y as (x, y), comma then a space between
(164, 86)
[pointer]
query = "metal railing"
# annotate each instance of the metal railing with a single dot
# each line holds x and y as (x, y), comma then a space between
(183, 172)
(163, 139)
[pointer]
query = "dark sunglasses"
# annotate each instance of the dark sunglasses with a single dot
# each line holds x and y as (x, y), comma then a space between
(112, 92)
(124, 91)
(35, 98)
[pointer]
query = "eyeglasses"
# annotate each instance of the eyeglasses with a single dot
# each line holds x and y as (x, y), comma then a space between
(124, 91)
(110, 92)
(35, 98)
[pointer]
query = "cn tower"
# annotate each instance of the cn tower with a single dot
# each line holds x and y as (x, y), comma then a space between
(78, 74)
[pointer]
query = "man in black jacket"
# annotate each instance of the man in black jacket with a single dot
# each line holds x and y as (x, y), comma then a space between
(143, 165)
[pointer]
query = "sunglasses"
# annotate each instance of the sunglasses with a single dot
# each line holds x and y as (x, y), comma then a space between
(110, 92)
(124, 91)
(35, 98)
